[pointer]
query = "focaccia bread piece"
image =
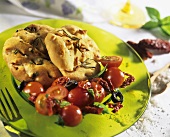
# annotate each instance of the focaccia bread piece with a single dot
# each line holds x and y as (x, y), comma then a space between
(27, 63)
(73, 52)
(34, 34)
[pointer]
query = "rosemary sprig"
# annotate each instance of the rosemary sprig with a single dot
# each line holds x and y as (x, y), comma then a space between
(101, 72)
(16, 51)
(73, 38)
(77, 43)
(86, 63)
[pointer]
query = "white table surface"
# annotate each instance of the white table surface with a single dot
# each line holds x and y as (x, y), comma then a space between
(156, 120)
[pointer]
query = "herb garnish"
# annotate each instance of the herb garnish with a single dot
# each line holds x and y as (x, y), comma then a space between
(15, 51)
(64, 103)
(100, 105)
(73, 38)
(157, 22)
(76, 44)
(86, 64)
(100, 73)
(91, 92)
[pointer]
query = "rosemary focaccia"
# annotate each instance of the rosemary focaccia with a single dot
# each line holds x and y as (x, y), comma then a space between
(27, 57)
(34, 34)
(73, 52)
(42, 53)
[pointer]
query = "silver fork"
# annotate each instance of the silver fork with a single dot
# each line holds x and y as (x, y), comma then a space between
(8, 108)
(10, 113)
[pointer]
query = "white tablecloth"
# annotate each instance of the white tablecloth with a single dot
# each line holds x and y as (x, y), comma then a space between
(156, 120)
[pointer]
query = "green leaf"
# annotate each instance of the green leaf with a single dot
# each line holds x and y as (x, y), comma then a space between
(166, 29)
(100, 105)
(60, 121)
(165, 21)
(153, 13)
(150, 25)
(100, 73)
(64, 103)
(91, 92)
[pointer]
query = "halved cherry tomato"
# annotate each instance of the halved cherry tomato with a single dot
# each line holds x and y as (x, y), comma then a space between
(79, 97)
(44, 105)
(57, 92)
(33, 88)
(71, 115)
(114, 76)
(111, 61)
(99, 92)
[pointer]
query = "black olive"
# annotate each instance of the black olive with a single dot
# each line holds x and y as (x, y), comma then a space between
(22, 85)
(71, 84)
(117, 97)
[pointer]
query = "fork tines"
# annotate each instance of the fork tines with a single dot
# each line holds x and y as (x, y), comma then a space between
(8, 108)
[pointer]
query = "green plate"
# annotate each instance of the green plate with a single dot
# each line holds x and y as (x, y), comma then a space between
(136, 95)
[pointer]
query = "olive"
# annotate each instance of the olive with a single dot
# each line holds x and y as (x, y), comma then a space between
(117, 97)
(71, 84)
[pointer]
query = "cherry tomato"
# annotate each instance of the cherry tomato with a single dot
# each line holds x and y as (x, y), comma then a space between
(114, 76)
(33, 88)
(79, 97)
(57, 91)
(99, 92)
(111, 61)
(44, 105)
(71, 115)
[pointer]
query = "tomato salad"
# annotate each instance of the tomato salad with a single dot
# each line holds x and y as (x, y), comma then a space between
(71, 99)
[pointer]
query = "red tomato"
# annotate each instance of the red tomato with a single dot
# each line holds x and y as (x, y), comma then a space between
(111, 61)
(44, 105)
(114, 76)
(99, 92)
(71, 115)
(57, 91)
(79, 97)
(33, 88)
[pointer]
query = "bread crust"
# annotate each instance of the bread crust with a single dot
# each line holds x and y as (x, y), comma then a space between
(73, 52)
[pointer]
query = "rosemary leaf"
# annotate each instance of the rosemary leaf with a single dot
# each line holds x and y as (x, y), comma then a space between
(101, 72)
(86, 63)
(73, 38)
